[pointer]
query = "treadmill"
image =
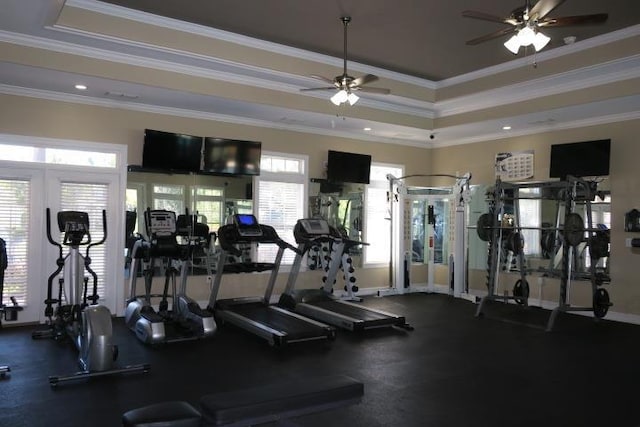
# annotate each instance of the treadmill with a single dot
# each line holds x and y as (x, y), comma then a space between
(255, 314)
(321, 304)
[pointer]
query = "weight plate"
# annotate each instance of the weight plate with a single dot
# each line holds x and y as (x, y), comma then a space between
(515, 243)
(483, 227)
(573, 229)
(521, 291)
(601, 303)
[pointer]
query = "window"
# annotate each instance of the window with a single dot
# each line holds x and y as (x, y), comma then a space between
(92, 199)
(169, 197)
(58, 156)
(208, 201)
(281, 199)
(377, 219)
(14, 229)
(530, 214)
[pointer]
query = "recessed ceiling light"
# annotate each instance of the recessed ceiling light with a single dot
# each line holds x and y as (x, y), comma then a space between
(367, 129)
(81, 87)
(506, 127)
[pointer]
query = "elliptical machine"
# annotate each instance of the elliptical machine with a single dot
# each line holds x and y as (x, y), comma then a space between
(77, 315)
(9, 312)
(186, 320)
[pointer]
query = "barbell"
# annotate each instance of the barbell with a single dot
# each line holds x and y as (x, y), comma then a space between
(573, 231)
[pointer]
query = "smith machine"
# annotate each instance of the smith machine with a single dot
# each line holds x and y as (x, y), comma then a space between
(567, 243)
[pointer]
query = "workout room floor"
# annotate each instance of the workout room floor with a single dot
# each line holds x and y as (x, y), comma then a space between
(452, 370)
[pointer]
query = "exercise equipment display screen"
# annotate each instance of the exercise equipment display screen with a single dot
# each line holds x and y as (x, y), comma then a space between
(248, 225)
(315, 226)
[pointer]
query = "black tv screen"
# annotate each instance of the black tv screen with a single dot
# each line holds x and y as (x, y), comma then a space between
(348, 167)
(171, 151)
(231, 156)
(579, 159)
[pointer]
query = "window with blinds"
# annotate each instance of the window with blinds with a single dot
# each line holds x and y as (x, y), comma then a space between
(92, 199)
(14, 230)
(377, 216)
(208, 202)
(281, 200)
(530, 207)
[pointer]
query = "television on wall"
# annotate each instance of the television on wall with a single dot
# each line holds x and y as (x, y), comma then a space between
(169, 151)
(580, 159)
(348, 167)
(231, 156)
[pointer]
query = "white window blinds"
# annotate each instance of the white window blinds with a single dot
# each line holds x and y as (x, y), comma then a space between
(281, 200)
(14, 229)
(92, 199)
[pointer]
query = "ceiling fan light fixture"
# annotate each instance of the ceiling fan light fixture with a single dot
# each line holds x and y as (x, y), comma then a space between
(526, 36)
(540, 41)
(340, 97)
(352, 98)
(513, 44)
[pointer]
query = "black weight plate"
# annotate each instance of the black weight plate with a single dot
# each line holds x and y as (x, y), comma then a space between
(601, 303)
(521, 291)
(483, 227)
(573, 229)
(515, 243)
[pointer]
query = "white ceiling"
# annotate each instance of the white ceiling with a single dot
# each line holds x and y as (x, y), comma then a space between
(32, 23)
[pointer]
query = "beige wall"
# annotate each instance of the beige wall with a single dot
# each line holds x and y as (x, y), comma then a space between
(625, 195)
(43, 118)
(51, 119)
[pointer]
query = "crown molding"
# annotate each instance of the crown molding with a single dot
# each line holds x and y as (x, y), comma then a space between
(582, 78)
(272, 79)
(174, 24)
(192, 114)
(578, 46)
(574, 124)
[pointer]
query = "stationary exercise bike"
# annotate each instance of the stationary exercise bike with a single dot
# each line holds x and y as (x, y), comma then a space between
(8, 312)
(77, 315)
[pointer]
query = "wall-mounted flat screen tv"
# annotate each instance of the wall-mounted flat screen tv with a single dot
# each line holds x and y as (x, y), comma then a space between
(580, 159)
(348, 167)
(231, 156)
(171, 151)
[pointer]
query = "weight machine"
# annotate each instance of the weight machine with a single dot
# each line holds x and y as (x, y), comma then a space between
(77, 314)
(8, 312)
(565, 242)
(400, 257)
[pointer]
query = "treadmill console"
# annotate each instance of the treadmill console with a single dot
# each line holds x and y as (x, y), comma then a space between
(315, 226)
(247, 225)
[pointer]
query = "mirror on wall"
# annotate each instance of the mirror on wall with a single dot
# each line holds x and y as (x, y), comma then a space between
(342, 205)
(212, 198)
(539, 213)
(430, 212)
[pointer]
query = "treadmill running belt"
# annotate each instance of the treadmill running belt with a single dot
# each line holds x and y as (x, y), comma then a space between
(356, 312)
(296, 329)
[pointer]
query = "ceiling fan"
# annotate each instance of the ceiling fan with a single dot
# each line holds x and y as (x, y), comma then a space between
(344, 83)
(526, 22)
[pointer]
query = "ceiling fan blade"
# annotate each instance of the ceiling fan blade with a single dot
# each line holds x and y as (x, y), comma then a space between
(322, 78)
(308, 89)
(543, 8)
(598, 18)
(380, 90)
(367, 78)
(492, 36)
(484, 16)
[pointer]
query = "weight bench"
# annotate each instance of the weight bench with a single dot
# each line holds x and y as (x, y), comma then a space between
(252, 406)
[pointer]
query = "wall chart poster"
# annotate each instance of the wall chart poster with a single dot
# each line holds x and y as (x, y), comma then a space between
(514, 166)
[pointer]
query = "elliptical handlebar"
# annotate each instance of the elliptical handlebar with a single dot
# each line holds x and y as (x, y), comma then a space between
(104, 233)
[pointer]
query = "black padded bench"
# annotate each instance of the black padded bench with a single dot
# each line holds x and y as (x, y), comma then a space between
(252, 406)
